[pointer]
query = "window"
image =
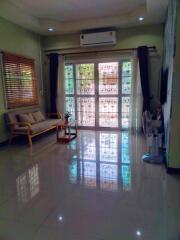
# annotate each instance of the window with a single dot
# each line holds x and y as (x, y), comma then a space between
(20, 81)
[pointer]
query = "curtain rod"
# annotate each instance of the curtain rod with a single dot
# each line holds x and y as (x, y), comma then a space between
(152, 49)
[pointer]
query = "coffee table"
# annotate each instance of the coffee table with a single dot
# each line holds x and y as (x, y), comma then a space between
(66, 132)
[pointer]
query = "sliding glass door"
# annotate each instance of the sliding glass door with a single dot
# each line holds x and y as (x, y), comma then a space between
(98, 94)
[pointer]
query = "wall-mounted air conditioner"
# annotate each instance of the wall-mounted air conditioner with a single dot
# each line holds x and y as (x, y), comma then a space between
(98, 39)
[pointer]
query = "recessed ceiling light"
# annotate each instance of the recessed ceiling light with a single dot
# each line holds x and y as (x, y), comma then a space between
(141, 18)
(60, 218)
(138, 233)
(50, 29)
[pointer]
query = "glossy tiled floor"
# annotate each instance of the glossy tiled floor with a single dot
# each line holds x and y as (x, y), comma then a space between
(96, 188)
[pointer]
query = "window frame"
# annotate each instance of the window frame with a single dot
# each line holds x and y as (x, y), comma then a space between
(29, 102)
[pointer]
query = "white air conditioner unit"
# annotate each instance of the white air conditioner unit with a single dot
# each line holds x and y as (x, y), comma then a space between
(98, 39)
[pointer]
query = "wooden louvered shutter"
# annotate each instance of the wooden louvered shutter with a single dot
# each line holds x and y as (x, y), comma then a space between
(20, 81)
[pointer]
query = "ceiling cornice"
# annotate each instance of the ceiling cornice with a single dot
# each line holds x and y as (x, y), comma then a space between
(124, 20)
(20, 16)
(16, 15)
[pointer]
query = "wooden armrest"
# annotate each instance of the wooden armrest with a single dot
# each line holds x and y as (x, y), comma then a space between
(25, 124)
(54, 114)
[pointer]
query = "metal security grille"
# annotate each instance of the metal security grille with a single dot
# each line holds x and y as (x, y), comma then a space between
(98, 94)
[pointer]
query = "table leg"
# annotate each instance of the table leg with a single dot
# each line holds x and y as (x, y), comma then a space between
(69, 129)
(76, 127)
(57, 132)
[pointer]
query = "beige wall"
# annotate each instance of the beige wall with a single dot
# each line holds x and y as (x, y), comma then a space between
(127, 38)
(15, 39)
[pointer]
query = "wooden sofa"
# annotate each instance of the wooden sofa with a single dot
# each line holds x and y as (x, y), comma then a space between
(18, 127)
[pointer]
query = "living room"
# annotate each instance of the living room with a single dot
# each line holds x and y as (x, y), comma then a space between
(89, 119)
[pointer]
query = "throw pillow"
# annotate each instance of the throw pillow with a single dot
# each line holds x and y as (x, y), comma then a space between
(24, 118)
(38, 116)
(31, 118)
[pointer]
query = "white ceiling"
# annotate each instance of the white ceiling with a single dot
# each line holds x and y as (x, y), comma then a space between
(68, 16)
(69, 10)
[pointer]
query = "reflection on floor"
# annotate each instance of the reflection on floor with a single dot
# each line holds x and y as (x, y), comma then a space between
(103, 162)
(95, 188)
(28, 185)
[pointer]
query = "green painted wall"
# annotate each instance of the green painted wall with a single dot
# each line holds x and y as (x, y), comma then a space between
(174, 144)
(15, 39)
(168, 64)
(18, 40)
(127, 38)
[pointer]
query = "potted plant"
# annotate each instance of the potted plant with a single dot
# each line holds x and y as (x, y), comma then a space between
(66, 117)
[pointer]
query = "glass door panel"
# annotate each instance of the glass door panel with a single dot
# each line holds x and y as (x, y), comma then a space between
(126, 77)
(85, 90)
(125, 118)
(108, 112)
(85, 79)
(108, 94)
(126, 93)
(70, 106)
(86, 111)
(69, 79)
(108, 78)
(69, 90)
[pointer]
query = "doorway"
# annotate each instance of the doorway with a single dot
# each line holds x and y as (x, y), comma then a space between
(98, 93)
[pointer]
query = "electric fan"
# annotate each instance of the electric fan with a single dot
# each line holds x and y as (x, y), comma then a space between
(151, 129)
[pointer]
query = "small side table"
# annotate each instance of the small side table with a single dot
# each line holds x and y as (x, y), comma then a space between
(69, 131)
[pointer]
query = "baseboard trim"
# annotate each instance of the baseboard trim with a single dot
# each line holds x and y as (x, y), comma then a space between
(170, 170)
(4, 143)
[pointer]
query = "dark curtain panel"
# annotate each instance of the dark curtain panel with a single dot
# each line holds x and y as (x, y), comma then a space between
(144, 73)
(164, 82)
(53, 81)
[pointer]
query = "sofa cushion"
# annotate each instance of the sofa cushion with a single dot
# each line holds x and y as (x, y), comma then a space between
(38, 116)
(23, 117)
(11, 116)
(31, 118)
(44, 125)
